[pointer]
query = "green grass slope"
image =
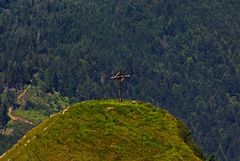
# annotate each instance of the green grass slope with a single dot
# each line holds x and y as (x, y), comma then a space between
(107, 130)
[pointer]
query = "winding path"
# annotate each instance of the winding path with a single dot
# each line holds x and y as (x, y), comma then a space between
(13, 118)
(10, 110)
(21, 95)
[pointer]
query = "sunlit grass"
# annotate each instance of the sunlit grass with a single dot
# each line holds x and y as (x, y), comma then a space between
(35, 116)
(107, 130)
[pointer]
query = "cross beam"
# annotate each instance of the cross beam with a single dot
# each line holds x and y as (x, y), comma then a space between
(120, 77)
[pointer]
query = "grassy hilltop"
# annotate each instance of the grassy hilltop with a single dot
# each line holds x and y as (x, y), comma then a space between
(107, 130)
(187, 52)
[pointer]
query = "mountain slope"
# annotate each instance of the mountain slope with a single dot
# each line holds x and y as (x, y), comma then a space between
(107, 130)
(28, 108)
(187, 52)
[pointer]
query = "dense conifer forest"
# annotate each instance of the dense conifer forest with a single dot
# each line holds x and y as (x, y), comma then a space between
(182, 55)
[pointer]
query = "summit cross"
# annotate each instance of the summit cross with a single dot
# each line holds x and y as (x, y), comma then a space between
(120, 77)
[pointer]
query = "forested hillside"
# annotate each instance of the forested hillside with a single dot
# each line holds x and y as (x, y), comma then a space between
(183, 55)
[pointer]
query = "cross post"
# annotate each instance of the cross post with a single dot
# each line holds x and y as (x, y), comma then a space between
(120, 77)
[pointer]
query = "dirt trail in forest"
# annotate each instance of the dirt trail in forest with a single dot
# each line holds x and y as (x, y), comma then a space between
(10, 110)
(13, 118)
(22, 94)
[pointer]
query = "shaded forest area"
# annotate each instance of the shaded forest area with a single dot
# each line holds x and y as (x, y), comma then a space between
(183, 55)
